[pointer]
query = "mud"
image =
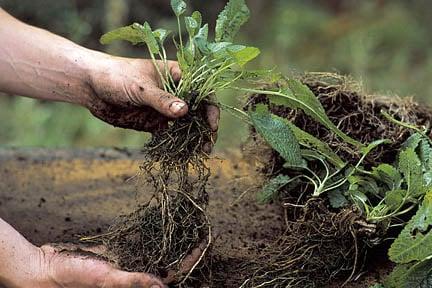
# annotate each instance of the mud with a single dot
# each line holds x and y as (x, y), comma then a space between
(58, 196)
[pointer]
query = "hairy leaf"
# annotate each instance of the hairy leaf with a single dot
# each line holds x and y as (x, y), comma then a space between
(417, 275)
(337, 199)
(191, 26)
(389, 175)
(178, 6)
(161, 35)
(131, 33)
(415, 241)
(299, 96)
(410, 167)
(196, 15)
(277, 133)
(394, 198)
(373, 145)
(413, 141)
(243, 55)
(229, 21)
(270, 190)
(311, 142)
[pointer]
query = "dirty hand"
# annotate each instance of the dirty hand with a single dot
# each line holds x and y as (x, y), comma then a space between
(121, 91)
(24, 265)
(127, 93)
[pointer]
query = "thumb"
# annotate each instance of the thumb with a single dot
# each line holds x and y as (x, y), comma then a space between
(164, 102)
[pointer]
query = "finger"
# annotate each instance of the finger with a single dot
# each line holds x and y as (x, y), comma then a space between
(213, 117)
(137, 118)
(173, 68)
(187, 264)
(164, 102)
(121, 279)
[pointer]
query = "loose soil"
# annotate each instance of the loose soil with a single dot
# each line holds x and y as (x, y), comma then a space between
(58, 196)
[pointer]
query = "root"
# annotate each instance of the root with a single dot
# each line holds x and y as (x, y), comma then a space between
(315, 249)
(165, 235)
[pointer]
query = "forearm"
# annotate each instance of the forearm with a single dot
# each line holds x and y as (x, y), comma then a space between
(39, 64)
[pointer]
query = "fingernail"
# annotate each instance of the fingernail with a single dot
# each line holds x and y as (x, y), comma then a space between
(155, 286)
(175, 107)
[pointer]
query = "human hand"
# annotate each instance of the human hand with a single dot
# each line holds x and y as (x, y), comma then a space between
(126, 93)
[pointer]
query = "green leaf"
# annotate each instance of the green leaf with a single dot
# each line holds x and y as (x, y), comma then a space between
(277, 133)
(150, 39)
(196, 15)
(417, 275)
(299, 96)
(132, 34)
(311, 142)
(229, 21)
(415, 241)
(270, 190)
(178, 6)
(413, 141)
(389, 175)
(161, 35)
(243, 55)
(191, 26)
(410, 167)
(337, 199)
(373, 145)
(398, 276)
(394, 198)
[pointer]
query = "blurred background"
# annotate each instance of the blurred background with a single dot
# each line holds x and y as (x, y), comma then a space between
(387, 44)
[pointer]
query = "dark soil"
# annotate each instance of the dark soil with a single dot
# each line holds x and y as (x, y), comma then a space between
(357, 114)
(321, 244)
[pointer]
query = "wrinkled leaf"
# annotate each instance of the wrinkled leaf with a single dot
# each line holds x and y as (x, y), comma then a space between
(337, 199)
(196, 15)
(178, 6)
(417, 275)
(415, 241)
(299, 96)
(373, 145)
(191, 26)
(270, 190)
(229, 21)
(244, 55)
(389, 175)
(312, 142)
(394, 198)
(410, 167)
(161, 35)
(277, 134)
(413, 141)
(131, 33)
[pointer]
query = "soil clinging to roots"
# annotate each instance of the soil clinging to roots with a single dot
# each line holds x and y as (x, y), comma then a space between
(315, 248)
(160, 236)
(355, 113)
(320, 243)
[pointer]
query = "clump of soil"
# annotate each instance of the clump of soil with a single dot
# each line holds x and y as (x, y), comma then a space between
(356, 114)
(161, 235)
(320, 243)
(315, 248)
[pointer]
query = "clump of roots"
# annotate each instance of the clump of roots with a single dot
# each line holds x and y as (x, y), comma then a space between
(160, 236)
(181, 144)
(315, 249)
(321, 243)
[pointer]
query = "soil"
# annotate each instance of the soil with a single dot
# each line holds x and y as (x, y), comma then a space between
(58, 196)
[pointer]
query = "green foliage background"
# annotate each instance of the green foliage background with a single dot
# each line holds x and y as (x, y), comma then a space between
(386, 44)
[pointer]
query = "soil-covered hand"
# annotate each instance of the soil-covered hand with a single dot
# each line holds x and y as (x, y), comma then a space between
(126, 93)
(62, 267)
